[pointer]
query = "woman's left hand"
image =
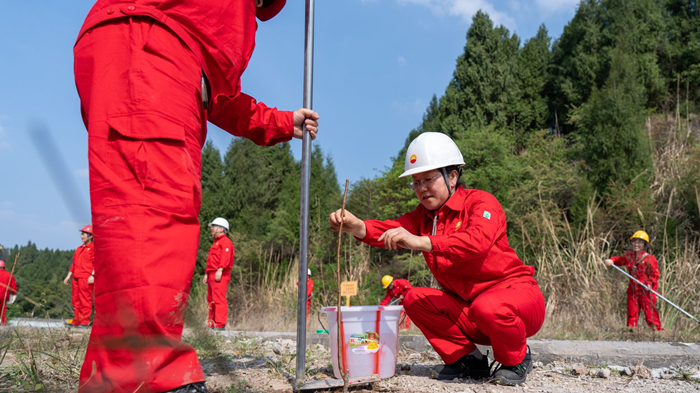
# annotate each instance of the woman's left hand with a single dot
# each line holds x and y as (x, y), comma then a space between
(396, 238)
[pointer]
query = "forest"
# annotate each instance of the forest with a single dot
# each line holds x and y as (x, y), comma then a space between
(583, 139)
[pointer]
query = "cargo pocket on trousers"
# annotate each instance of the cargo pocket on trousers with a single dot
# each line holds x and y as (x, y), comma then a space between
(148, 164)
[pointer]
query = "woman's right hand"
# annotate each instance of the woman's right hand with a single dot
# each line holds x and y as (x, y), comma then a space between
(351, 224)
(608, 261)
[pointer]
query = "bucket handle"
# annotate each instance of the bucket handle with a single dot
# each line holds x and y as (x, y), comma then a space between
(318, 315)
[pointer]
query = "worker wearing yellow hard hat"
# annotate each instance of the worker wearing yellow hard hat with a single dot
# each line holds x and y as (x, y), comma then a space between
(644, 267)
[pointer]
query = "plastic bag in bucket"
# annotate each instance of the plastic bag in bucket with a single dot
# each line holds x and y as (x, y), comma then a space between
(369, 340)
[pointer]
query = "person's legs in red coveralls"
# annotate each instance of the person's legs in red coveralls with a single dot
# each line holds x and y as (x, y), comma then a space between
(82, 301)
(218, 304)
(647, 301)
(145, 193)
(501, 317)
(4, 313)
(632, 309)
(406, 324)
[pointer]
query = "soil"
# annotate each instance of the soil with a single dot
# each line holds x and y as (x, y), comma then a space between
(271, 368)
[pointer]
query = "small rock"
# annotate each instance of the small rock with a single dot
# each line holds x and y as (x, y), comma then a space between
(695, 376)
(622, 370)
(603, 373)
(535, 364)
(641, 371)
(277, 348)
(578, 369)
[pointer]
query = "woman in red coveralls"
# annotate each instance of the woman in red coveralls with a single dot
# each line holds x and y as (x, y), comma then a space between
(397, 289)
(83, 272)
(644, 267)
(490, 297)
(149, 75)
(218, 274)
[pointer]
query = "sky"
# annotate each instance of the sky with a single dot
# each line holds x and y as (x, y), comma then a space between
(377, 64)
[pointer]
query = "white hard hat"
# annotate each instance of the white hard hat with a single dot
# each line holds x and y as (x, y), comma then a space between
(220, 222)
(431, 150)
(308, 271)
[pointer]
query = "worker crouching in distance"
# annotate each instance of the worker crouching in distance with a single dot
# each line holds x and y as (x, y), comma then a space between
(489, 296)
(82, 272)
(644, 267)
(218, 273)
(397, 289)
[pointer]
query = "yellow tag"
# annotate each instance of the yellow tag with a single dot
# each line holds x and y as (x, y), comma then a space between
(459, 224)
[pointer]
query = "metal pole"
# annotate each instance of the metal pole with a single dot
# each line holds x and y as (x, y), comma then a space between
(305, 182)
(655, 293)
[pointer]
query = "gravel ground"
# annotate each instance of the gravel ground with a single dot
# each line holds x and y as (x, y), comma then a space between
(245, 364)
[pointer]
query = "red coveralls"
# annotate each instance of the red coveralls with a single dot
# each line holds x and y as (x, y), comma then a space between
(400, 288)
(221, 255)
(138, 70)
(490, 297)
(82, 268)
(644, 268)
(6, 280)
(309, 292)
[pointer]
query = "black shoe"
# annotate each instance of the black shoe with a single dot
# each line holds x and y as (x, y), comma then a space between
(513, 375)
(198, 387)
(217, 329)
(466, 366)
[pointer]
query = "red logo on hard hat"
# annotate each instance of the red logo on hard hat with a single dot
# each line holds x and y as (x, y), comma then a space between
(412, 159)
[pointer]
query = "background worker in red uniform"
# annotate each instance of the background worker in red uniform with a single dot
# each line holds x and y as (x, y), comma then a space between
(218, 273)
(644, 267)
(8, 286)
(149, 75)
(397, 289)
(309, 293)
(490, 297)
(83, 273)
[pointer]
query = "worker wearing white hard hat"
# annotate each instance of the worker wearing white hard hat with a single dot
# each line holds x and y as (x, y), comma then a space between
(218, 273)
(489, 295)
(8, 286)
(309, 293)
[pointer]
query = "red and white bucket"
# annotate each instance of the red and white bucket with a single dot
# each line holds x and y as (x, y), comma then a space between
(370, 340)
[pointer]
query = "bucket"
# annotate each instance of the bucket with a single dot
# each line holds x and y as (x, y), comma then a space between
(370, 340)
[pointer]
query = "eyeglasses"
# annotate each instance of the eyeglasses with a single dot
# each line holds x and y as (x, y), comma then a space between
(427, 183)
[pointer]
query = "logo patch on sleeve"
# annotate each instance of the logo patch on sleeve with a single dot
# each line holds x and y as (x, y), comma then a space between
(487, 215)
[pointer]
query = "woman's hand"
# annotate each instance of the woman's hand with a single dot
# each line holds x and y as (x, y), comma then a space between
(396, 238)
(351, 224)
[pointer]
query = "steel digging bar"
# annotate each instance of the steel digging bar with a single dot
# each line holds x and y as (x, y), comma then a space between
(656, 293)
(305, 180)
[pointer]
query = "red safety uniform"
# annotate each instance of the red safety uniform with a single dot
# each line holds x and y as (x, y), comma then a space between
(82, 268)
(221, 255)
(490, 297)
(309, 292)
(7, 280)
(645, 268)
(138, 69)
(399, 288)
